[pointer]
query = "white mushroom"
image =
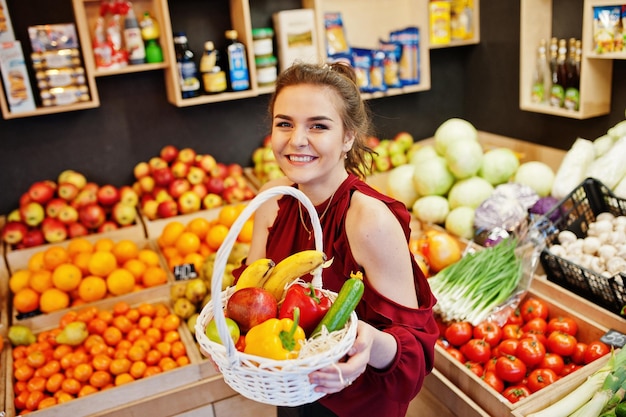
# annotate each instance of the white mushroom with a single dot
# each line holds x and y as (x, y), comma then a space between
(621, 251)
(567, 236)
(596, 264)
(575, 247)
(591, 244)
(616, 265)
(607, 251)
(558, 250)
(605, 216)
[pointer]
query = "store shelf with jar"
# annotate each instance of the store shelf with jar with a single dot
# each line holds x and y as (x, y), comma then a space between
(454, 23)
(605, 25)
(595, 74)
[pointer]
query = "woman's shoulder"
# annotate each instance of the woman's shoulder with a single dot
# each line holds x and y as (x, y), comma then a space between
(275, 182)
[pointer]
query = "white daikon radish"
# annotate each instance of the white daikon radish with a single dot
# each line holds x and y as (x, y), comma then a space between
(573, 168)
(610, 168)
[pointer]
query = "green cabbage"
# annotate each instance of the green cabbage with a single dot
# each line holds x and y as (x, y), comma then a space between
(464, 158)
(452, 130)
(469, 192)
(432, 177)
(498, 165)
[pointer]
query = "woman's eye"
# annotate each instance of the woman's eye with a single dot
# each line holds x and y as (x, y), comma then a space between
(283, 124)
(319, 127)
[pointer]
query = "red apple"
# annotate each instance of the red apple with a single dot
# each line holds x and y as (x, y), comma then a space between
(168, 208)
(206, 162)
(163, 176)
(92, 216)
(233, 195)
(212, 200)
(54, 206)
(13, 232)
(235, 169)
(214, 185)
(142, 169)
(146, 185)
(25, 199)
(34, 237)
(41, 192)
(123, 214)
(196, 175)
(189, 202)
(168, 153)
(251, 306)
(372, 142)
(67, 191)
(108, 226)
(180, 169)
(200, 190)
(85, 197)
(149, 209)
(68, 214)
(128, 195)
(161, 194)
(220, 170)
(32, 214)
(156, 162)
(74, 177)
(54, 230)
(108, 195)
(267, 141)
(187, 155)
(76, 229)
(178, 187)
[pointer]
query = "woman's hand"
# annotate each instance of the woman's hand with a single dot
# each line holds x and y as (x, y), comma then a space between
(336, 377)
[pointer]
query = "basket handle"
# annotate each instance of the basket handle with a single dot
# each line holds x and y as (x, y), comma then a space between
(221, 257)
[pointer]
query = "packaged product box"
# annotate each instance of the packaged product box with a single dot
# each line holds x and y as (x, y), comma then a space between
(607, 34)
(15, 77)
(6, 29)
(440, 33)
(461, 19)
(296, 36)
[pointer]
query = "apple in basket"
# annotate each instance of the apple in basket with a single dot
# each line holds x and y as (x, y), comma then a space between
(251, 306)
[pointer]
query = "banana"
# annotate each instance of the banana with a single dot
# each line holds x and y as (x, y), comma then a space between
(292, 268)
(255, 274)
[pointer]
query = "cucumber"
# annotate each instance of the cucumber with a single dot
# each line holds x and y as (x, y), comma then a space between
(347, 299)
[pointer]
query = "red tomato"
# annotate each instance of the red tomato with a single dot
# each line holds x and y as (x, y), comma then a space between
(510, 369)
(540, 378)
(578, 356)
(475, 367)
(537, 335)
(533, 307)
(536, 324)
(561, 343)
(595, 350)
(563, 324)
(507, 347)
(490, 365)
(569, 368)
(516, 392)
(456, 354)
(512, 331)
(488, 331)
(458, 333)
(476, 350)
(554, 362)
(442, 343)
(515, 317)
(495, 382)
(530, 351)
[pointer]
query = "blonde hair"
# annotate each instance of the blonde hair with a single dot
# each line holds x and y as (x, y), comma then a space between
(354, 113)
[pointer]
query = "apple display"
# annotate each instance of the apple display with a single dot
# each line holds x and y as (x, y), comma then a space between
(54, 206)
(235, 170)
(187, 155)
(200, 190)
(15, 216)
(68, 214)
(129, 196)
(85, 197)
(41, 192)
(196, 175)
(178, 187)
(34, 237)
(13, 232)
(233, 194)
(405, 139)
(149, 209)
(54, 230)
(124, 214)
(32, 214)
(76, 229)
(189, 202)
(162, 194)
(214, 185)
(206, 162)
(67, 191)
(169, 153)
(156, 162)
(74, 177)
(25, 199)
(167, 208)
(220, 170)
(142, 169)
(163, 176)
(92, 216)
(146, 184)
(108, 195)
(108, 226)
(180, 169)
(212, 200)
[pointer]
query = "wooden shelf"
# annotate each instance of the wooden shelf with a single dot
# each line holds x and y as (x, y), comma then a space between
(475, 39)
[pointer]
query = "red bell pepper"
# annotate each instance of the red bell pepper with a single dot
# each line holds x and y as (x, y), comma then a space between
(313, 305)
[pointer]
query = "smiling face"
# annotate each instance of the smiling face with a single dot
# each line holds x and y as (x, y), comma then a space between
(308, 136)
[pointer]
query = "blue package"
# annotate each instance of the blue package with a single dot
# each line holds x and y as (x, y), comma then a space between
(409, 39)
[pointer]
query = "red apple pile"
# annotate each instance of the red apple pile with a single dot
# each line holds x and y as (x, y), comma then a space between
(51, 212)
(264, 163)
(182, 181)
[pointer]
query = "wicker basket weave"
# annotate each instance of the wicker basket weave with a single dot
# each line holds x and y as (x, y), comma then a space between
(269, 381)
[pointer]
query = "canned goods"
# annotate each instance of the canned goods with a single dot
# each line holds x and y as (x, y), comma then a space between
(263, 42)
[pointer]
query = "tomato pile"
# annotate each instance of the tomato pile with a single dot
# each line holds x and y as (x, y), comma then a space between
(529, 352)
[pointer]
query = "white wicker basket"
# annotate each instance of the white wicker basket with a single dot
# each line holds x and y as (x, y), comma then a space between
(269, 381)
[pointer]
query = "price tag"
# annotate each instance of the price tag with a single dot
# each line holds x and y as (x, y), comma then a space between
(185, 272)
(614, 338)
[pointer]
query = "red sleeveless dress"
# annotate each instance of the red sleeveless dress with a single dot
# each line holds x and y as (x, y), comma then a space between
(384, 392)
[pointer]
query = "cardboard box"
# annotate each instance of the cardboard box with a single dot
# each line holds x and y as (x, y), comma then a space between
(6, 28)
(296, 36)
(15, 78)
(440, 31)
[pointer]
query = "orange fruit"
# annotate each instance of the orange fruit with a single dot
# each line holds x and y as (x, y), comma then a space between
(20, 400)
(35, 263)
(102, 263)
(100, 379)
(101, 362)
(47, 402)
(83, 372)
(133, 315)
(79, 245)
(120, 281)
(92, 288)
(154, 356)
(55, 256)
(194, 259)
(123, 378)
(112, 336)
(51, 367)
(124, 250)
(36, 359)
(41, 280)
(170, 252)
(146, 309)
(122, 323)
(36, 383)
(53, 299)
(137, 369)
(86, 390)
(199, 226)
(187, 242)
(183, 360)
(19, 280)
(170, 233)
(53, 384)
(216, 236)
(148, 257)
(121, 308)
(63, 397)
(136, 267)
(171, 322)
(136, 353)
(23, 372)
(81, 260)
(152, 370)
(119, 366)
(245, 234)
(227, 215)
(71, 385)
(33, 400)
(178, 349)
(154, 275)
(167, 363)
(66, 277)
(105, 244)
(26, 300)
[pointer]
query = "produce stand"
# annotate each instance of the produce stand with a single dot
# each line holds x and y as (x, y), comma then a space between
(154, 228)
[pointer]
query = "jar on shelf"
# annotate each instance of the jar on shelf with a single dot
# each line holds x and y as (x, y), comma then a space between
(263, 42)
(266, 71)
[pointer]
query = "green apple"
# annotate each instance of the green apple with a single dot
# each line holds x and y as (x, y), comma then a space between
(213, 334)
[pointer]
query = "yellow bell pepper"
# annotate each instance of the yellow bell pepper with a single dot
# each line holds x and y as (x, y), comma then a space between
(276, 338)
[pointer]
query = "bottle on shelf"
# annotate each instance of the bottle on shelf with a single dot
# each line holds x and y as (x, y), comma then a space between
(572, 92)
(559, 76)
(150, 35)
(541, 76)
(132, 38)
(213, 76)
(187, 69)
(238, 74)
(554, 52)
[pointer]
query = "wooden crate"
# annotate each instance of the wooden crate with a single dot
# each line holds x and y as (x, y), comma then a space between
(486, 397)
(19, 260)
(139, 391)
(5, 305)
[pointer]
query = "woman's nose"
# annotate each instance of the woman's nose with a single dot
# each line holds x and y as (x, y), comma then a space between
(299, 137)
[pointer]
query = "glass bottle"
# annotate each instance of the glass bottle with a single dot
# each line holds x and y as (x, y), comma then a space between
(132, 39)
(238, 75)
(572, 92)
(541, 76)
(213, 76)
(187, 69)
(559, 76)
(150, 34)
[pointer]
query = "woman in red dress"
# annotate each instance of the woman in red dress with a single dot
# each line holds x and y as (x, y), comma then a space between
(319, 129)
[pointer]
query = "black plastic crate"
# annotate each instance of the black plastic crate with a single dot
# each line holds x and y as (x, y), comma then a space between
(575, 213)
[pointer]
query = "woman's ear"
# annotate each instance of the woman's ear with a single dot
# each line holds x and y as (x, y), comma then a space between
(348, 141)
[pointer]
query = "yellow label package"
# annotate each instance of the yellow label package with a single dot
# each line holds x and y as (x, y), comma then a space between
(461, 19)
(6, 29)
(296, 36)
(440, 23)
(15, 78)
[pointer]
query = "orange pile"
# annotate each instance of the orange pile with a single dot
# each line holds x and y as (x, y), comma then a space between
(192, 243)
(124, 344)
(63, 276)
